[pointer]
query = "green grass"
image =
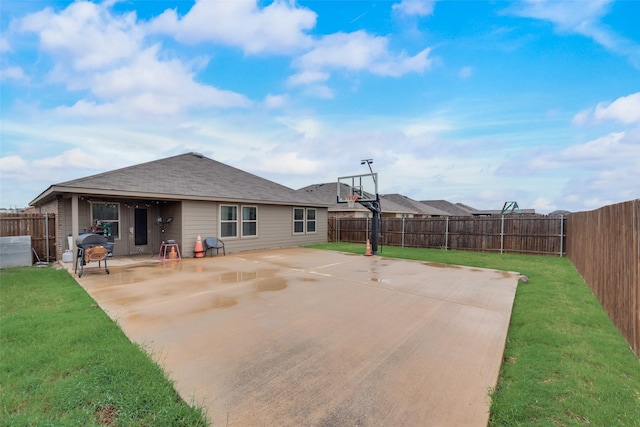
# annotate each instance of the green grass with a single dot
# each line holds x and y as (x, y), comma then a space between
(63, 362)
(565, 363)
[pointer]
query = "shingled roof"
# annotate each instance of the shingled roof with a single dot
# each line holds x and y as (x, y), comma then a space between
(444, 205)
(328, 192)
(415, 205)
(189, 176)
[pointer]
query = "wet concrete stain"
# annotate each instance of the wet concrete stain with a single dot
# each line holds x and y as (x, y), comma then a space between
(221, 301)
(441, 265)
(271, 284)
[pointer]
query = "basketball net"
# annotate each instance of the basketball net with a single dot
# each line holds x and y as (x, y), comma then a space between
(351, 200)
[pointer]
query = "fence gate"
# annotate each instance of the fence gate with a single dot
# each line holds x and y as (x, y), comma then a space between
(41, 228)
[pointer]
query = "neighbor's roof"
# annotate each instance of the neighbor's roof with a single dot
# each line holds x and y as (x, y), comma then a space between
(190, 176)
(415, 205)
(327, 193)
(444, 205)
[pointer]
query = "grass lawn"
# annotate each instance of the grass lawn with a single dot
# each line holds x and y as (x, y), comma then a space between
(565, 363)
(63, 362)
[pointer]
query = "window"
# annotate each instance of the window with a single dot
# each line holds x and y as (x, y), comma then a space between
(249, 221)
(298, 220)
(106, 216)
(228, 221)
(311, 220)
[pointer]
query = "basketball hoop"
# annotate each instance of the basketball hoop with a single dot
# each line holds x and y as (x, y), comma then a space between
(351, 200)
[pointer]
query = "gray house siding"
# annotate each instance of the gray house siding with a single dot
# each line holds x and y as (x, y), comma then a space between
(198, 218)
(274, 227)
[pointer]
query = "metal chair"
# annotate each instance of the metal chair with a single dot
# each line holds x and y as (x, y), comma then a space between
(213, 243)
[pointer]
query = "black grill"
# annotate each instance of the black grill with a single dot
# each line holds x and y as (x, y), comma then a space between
(88, 241)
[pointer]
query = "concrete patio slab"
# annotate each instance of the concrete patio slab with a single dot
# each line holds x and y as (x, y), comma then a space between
(317, 338)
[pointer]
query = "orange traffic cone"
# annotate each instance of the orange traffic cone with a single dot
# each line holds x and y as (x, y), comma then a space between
(173, 254)
(198, 250)
(368, 252)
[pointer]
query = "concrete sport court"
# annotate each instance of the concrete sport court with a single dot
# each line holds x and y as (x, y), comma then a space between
(302, 337)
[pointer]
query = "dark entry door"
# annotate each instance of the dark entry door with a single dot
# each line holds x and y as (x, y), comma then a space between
(140, 228)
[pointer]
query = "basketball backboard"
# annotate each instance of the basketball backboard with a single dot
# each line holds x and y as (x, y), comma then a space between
(365, 187)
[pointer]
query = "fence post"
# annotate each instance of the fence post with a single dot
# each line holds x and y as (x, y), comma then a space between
(561, 233)
(46, 231)
(501, 233)
(403, 231)
(446, 234)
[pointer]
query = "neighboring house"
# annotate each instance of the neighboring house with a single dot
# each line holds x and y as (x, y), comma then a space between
(420, 209)
(496, 212)
(202, 196)
(446, 206)
(327, 193)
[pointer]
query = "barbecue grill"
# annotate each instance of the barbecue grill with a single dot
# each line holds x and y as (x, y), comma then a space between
(92, 247)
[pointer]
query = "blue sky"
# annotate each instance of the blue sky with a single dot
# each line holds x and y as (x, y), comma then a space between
(478, 102)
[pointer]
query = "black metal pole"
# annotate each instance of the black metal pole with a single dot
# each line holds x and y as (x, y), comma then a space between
(375, 225)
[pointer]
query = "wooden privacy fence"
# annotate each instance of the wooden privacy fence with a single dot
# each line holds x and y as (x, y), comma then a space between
(41, 228)
(503, 234)
(604, 247)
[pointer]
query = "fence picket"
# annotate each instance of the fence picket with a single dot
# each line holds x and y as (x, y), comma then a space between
(531, 235)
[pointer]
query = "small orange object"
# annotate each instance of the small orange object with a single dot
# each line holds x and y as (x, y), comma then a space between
(368, 252)
(199, 250)
(173, 254)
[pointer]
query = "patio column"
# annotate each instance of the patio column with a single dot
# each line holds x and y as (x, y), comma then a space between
(75, 221)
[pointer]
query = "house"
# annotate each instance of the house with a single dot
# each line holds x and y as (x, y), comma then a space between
(452, 209)
(420, 209)
(327, 193)
(181, 197)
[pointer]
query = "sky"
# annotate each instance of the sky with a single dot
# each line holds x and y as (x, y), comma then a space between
(476, 102)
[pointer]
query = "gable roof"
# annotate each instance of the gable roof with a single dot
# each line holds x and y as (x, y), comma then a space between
(418, 207)
(327, 193)
(444, 205)
(189, 176)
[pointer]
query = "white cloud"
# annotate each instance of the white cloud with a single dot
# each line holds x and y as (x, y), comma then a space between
(12, 73)
(581, 18)
(415, 7)
(5, 45)
(85, 35)
(307, 126)
(610, 149)
(582, 118)
(9, 164)
(286, 163)
(625, 109)
(275, 101)
(74, 158)
(277, 28)
(308, 77)
(543, 204)
(103, 54)
(359, 51)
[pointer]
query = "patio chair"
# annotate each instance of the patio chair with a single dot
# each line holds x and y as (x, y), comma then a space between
(211, 243)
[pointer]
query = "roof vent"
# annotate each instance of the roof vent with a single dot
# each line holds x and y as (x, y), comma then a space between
(198, 155)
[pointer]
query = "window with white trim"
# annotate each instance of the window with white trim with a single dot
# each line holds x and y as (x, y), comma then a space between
(298, 220)
(311, 220)
(228, 221)
(107, 217)
(249, 221)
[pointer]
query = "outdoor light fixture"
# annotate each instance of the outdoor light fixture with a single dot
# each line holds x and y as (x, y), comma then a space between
(161, 220)
(368, 163)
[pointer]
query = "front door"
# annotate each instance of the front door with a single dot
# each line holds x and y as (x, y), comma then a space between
(140, 230)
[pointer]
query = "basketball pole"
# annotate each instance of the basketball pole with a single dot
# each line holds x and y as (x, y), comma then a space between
(374, 207)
